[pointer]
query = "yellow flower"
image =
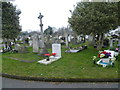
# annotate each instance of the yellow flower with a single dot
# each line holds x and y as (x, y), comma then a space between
(94, 57)
(102, 55)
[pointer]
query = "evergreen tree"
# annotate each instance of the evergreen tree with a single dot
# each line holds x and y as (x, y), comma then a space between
(94, 17)
(10, 21)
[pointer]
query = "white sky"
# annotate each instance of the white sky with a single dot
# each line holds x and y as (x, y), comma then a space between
(55, 12)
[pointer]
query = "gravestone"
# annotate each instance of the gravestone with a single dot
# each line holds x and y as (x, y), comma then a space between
(48, 42)
(66, 40)
(26, 40)
(30, 43)
(111, 42)
(53, 39)
(90, 38)
(74, 41)
(119, 45)
(56, 48)
(69, 38)
(41, 45)
(17, 46)
(43, 51)
(106, 42)
(22, 49)
(35, 43)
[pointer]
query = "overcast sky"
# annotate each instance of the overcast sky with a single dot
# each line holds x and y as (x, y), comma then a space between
(55, 12)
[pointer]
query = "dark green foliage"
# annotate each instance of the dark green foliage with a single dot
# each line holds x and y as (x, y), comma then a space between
(95, 17)
(48, 31)
(10, 21)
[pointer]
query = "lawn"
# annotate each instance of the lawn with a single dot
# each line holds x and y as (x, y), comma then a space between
(0, 63)
(23, 56)
(71, 65)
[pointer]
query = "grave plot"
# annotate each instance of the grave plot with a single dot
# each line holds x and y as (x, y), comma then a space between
(56, 54)
(77, 49)
(107, 57)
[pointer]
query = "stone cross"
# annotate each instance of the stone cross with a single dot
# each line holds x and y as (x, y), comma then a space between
(41, 27)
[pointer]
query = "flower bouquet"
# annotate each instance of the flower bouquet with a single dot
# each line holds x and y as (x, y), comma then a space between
(104, 54)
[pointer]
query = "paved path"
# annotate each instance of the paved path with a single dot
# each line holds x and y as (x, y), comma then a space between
(13, 83)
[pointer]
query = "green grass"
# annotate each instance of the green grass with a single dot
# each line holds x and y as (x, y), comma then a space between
(0, 63)
(78, 65)
(26, 56)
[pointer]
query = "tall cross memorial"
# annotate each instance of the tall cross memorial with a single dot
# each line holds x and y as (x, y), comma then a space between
(41, 28)
(43, 49)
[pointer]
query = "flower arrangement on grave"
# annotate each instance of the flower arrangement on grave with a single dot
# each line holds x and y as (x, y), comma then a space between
(53, 54)
(116, 49)
(47, 55)
(104, 54)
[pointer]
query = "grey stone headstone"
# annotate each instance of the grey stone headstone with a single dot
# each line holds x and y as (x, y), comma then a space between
(35, 43)
(17, 46)
(22, 49)
(41, 45)
(66, 40)
(111, 42)
(74, 41)
(90, 38)
(118, 42)
(69, 38)
(30, 43)
(43, 51)
(53, 40)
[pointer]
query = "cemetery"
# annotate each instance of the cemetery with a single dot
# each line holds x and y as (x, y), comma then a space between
(78, 51)
(64, 65)
(61, 56)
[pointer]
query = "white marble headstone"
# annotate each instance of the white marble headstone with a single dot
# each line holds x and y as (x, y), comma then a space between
(56, 48)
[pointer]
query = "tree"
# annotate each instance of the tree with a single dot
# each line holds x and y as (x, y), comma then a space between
(48, 31)
(94, 17)
(10, 21)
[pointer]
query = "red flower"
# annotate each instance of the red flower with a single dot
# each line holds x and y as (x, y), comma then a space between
(99, 55)
(103, 52)
(53, 54)
(47, 54)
